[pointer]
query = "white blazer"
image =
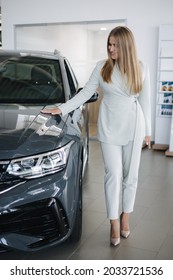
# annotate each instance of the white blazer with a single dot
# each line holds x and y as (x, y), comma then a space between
(122, 116)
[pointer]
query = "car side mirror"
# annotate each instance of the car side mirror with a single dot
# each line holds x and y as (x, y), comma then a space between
(93, 98)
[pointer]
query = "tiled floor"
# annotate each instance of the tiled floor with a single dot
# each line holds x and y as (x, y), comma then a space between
(151, 222)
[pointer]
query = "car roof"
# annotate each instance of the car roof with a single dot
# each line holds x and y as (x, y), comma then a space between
(42, 54)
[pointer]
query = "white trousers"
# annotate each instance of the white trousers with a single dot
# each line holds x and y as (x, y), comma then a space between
(117, 161)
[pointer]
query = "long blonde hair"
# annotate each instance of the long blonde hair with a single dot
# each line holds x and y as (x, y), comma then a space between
(127, 61)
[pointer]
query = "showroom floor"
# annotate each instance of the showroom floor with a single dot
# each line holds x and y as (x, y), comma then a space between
(151, 222)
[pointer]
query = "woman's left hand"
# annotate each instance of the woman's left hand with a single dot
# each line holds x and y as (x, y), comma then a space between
(52, 111)
(148, 141)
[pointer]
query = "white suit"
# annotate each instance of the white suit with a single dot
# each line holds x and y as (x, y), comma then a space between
(123, 122)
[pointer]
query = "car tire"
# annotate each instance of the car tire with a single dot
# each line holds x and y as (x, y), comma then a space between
(77, 228)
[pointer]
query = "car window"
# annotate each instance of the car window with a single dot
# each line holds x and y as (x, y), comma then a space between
(71, 78)
(31, 80)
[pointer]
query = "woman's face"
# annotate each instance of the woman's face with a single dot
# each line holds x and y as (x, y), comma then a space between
(113, 47)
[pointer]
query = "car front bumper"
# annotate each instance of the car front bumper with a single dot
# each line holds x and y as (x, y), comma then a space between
(39, 213)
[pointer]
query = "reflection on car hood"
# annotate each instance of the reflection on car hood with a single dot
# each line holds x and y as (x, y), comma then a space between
(25, 131)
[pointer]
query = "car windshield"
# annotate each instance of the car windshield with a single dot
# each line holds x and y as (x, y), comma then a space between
(30, 80)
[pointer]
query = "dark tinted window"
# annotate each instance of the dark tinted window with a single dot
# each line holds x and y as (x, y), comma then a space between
(29, 79)
(71, 78)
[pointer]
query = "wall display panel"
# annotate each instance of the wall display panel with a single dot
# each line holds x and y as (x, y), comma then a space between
(0, 29)
(164, 100)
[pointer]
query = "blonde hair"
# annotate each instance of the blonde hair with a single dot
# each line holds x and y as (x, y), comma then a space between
(127, 61)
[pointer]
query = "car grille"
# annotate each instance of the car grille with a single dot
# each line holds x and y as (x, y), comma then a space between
(9, 184)
(44, 219)
(7, 181)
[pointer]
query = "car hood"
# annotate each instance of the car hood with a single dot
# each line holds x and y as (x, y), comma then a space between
(25, 131)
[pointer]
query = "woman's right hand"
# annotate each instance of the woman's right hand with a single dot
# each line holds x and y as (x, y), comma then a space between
(148, 141)
(52, 111)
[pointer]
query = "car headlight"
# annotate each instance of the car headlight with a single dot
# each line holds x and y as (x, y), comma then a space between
(40, 165)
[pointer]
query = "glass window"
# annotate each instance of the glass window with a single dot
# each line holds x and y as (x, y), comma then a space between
(31, 80)
(71, 78)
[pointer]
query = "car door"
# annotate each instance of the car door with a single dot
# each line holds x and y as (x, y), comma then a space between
(81, 115)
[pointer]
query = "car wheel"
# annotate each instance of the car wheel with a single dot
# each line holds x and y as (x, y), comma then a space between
(77, 228)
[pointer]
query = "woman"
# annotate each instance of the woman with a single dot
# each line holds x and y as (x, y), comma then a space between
(123, 123)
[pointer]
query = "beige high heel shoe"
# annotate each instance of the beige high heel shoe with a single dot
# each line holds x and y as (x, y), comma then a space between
(124, 233)
(114, 240)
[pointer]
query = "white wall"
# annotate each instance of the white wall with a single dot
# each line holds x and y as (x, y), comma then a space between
(143, 18)
(82, 43)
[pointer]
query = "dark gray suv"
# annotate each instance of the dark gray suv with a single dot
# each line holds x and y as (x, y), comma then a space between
(42, 157)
